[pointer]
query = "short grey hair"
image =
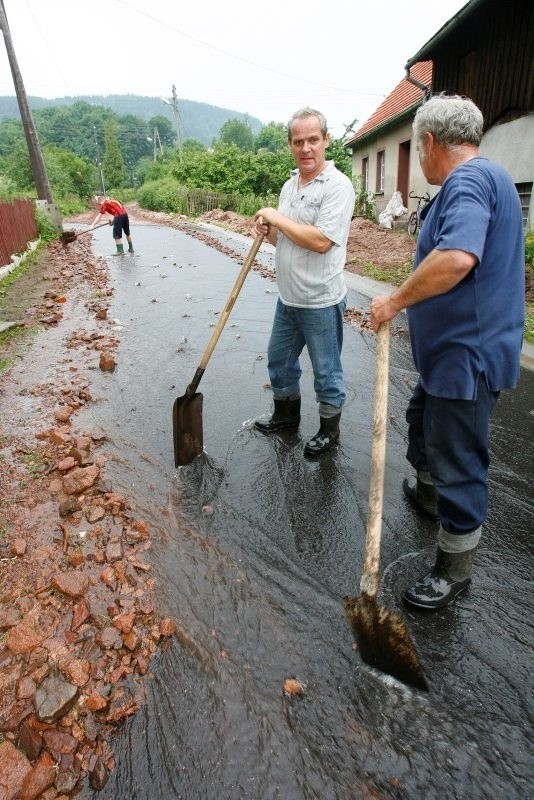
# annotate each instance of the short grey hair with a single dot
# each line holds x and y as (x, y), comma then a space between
(451, 119)
(303, 113)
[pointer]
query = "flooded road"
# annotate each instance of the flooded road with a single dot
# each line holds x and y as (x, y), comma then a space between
(254, 546)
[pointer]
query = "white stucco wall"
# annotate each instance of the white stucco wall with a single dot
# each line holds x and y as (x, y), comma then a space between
(389, 141)
(512, 145)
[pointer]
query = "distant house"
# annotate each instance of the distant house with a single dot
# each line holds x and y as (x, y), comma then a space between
(483, 52)
(381, 148)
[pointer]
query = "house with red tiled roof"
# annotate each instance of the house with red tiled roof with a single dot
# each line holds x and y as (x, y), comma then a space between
(381, 148)
(483, 52)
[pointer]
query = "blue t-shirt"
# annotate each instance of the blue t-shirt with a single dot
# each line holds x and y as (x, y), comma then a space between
(477, 326)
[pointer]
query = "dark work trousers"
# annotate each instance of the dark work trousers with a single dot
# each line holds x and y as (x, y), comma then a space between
(449, 439)
(120, 224)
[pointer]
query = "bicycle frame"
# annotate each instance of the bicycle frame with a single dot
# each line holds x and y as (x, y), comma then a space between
(414, 221)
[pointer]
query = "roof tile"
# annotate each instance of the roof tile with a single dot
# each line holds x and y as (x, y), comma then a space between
(404, 95)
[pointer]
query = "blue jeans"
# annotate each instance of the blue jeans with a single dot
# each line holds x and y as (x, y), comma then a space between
(321, 331)
(449, 439)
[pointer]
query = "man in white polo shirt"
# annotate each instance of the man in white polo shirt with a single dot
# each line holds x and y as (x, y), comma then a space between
(310, 231)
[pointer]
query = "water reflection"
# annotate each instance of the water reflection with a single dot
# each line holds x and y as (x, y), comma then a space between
(253, 548)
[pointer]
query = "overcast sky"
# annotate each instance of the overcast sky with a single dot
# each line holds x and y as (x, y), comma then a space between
(340, 57)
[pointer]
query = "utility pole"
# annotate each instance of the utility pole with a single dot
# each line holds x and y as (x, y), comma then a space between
(158, 140)
(177, 123)
(99, 163)
(40, 176)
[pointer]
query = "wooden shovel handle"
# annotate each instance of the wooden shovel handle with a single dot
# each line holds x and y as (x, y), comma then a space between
(369, 579)
(230, 303)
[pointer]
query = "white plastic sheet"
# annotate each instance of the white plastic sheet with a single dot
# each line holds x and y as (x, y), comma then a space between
(393, 209)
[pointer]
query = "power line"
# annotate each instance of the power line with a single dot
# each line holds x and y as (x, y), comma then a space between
(52, 54)
(233, 55)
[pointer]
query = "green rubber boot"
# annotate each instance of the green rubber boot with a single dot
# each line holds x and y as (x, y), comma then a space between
(120, 250)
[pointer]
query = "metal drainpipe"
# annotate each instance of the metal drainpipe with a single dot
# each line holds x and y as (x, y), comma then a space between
(411, 79)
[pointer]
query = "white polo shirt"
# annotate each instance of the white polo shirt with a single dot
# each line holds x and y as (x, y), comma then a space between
(307, 279)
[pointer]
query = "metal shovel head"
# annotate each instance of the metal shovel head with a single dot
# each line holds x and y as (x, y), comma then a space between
(187, 428)
(384, 641)
(67, 237)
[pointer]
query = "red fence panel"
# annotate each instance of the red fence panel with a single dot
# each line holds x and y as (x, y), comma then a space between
(17, 228)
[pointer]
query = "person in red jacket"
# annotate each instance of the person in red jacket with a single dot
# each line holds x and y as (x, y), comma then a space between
(120, 222)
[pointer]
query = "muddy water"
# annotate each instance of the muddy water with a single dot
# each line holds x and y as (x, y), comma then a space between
(254, 547)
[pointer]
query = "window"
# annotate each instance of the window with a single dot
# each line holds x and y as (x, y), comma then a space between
(380, 169)
(365, 174)
(524, 191)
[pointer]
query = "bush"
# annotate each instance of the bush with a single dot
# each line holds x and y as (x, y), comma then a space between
(70, 205)
(365, 201)
(248, 205)
(529, 250)
(46, 230)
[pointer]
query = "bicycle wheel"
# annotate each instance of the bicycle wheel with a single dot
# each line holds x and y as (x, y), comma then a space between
(412, 223)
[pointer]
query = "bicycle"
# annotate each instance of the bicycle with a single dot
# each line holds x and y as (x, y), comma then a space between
(415, 222)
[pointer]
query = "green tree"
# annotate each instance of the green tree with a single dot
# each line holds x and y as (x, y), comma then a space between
(11, 132)
(113, 162)
(340, 155)
(167, 133)
(16, 167)
(68, 174)
(272, 137)
(193, 145)
(271, 171)
(238, 133)
(132, 138)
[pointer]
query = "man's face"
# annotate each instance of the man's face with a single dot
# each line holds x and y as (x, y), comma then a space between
(308, 146)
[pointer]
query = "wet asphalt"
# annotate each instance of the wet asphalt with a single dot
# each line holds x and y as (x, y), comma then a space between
(254, 547)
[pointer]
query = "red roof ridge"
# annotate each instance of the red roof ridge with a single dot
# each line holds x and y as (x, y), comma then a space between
(403, 96)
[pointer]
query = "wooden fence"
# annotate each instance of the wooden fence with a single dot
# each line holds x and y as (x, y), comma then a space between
(17, 228)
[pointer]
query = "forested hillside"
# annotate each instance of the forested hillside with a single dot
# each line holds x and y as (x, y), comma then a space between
(198, 120)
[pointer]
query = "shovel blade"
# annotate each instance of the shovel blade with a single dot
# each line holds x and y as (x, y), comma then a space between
(384, 641)
(187, 428)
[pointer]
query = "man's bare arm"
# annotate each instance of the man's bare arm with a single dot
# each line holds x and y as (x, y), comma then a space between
(439, 272)
(307, 236)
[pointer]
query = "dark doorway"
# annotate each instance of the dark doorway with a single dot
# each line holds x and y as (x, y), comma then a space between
(403, 170)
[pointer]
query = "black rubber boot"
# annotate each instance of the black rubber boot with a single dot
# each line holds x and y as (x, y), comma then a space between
(450, 576)
(286, 415)
(326, 436)
(423, 496)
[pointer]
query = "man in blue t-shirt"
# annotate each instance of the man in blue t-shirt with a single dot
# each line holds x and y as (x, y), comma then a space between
(465, 301)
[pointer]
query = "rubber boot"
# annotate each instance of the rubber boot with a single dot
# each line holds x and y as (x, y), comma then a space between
(286, 415)
(422, 494)
(130, 247)
(326, 436)
(120, 250)
(450, 576)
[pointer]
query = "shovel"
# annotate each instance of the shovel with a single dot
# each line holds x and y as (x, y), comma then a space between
(67, 237)
(187, 409)
(383, 639)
